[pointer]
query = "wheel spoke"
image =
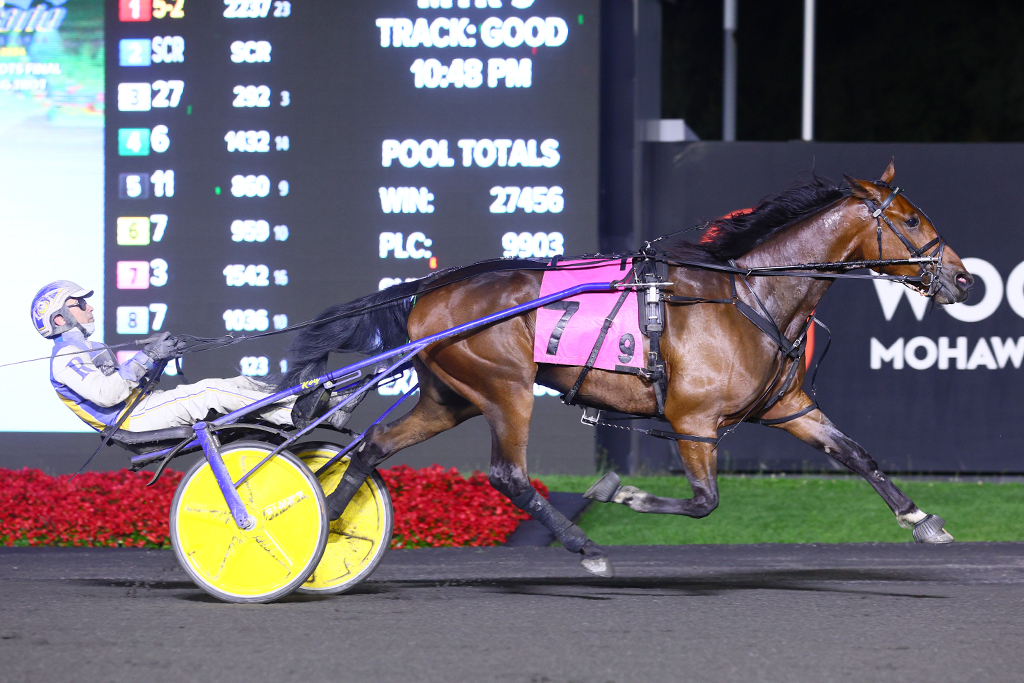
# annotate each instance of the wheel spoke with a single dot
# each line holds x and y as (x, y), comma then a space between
(231, 556)
(266, 541)
(219, 518)
(245, 492)
(339, 577)
(345, 534)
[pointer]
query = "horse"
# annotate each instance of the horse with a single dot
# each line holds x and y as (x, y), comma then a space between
(719, 370)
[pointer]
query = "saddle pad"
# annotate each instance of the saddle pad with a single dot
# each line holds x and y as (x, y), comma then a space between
(567, 330)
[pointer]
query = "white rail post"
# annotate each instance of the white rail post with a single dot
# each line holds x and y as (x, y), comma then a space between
(807, 132)
(729, 72)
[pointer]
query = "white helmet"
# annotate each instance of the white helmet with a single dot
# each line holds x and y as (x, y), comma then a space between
(52, 300)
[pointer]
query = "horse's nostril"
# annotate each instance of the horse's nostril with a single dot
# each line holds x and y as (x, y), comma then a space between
(964, 281)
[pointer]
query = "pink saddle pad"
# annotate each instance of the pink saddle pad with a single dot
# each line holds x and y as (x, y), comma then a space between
(567, 330)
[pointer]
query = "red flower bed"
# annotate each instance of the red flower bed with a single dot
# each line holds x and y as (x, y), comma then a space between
(433, 507)
(95, 509)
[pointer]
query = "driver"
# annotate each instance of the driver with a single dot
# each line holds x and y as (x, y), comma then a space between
(91, 382)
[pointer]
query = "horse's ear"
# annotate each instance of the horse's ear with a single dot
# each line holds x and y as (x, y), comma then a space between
(890, 171)
(862, 189)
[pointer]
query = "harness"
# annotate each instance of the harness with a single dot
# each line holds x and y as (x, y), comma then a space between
(653, 271)
(649, 276)
(654, 274)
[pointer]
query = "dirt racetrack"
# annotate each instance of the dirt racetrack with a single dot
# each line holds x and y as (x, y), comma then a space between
(873, 612)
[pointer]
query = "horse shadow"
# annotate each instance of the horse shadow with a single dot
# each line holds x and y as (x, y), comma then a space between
(829, 580)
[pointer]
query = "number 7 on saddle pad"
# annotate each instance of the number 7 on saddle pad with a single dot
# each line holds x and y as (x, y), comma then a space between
(567, 330)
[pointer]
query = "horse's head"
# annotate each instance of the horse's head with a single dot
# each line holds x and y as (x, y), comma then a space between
(896, 229)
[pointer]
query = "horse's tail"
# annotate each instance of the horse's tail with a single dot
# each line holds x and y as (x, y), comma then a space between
(369, 325)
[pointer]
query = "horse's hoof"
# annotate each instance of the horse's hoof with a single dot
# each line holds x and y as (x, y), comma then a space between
(930, 530)
(605, 488)
(598, 566)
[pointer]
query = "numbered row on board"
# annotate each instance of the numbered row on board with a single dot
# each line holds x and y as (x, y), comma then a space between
(132, 320)
(148, 10)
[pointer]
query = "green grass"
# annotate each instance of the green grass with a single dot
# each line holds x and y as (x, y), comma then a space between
(802, 510)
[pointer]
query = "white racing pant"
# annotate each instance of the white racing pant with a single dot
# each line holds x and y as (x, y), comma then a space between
(190, 403)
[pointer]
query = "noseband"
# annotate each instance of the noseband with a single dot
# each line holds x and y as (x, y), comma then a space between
(928, 279)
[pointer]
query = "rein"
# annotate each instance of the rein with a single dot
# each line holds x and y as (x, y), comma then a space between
(926, 281)
(794, 270)
(199, 344)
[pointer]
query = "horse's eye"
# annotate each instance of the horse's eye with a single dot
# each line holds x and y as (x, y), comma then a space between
(912, 222)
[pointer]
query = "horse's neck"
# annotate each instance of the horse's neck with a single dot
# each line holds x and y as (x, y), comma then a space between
(825, 237)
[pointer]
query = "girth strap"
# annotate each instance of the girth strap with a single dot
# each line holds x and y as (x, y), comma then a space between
(651, 308)
(644, 273)
(570, 395)
(780, 420)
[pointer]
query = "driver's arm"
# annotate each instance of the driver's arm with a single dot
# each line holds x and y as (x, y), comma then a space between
(80, 375)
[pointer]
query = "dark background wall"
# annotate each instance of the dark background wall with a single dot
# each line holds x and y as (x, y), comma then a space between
(907, 71)
(912, 72)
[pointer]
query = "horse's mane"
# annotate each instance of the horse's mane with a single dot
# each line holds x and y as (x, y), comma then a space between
(734, 235)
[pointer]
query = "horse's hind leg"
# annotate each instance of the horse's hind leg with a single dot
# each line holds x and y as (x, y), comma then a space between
(700, 461)
(438, 410)
(818, 431)
(509, 418)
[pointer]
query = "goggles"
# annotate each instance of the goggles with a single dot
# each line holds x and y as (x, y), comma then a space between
(80, 302)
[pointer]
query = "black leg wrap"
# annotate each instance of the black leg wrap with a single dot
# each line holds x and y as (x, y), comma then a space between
(567, 533)
(353, 478)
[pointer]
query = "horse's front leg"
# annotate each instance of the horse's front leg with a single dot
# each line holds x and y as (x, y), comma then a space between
(818, 431)
(700, 460)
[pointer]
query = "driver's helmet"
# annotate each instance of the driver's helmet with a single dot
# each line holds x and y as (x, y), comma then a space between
(51, 300)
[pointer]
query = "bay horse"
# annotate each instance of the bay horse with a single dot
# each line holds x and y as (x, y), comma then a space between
(720, 369)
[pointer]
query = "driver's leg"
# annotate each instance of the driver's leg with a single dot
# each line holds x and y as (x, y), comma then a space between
(190, 403)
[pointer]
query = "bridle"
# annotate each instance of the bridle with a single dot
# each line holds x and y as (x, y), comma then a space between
(927, 279)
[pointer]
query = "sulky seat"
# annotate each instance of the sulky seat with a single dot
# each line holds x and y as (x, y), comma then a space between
(141, 442)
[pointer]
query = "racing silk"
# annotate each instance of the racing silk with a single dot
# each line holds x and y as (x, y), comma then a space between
(90, 382)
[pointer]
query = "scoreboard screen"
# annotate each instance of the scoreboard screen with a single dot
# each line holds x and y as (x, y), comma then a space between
(233, 167)
(267, 158)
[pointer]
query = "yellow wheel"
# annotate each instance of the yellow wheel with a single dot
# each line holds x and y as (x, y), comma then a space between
(360, 537)
(274, 557)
